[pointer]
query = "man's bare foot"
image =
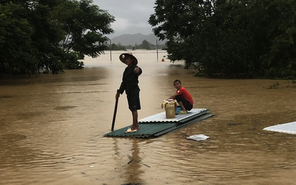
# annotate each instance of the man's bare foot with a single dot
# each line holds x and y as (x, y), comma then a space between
(135, 128)
(130, 130)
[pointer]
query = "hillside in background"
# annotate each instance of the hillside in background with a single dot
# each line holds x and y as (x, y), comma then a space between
(135, 39)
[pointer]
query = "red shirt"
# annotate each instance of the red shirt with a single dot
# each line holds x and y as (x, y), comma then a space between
(182, 91)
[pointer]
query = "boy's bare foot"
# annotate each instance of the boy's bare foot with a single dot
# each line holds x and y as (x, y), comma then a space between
(183, 112)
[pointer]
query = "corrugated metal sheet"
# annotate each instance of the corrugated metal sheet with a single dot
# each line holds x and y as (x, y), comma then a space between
(146, 130)
(180, 125)
(156, 125)
(160, 117)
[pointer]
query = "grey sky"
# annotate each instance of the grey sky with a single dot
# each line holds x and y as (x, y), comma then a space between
(131, 15)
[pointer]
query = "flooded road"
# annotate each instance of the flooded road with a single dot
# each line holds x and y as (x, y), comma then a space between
(52, 127)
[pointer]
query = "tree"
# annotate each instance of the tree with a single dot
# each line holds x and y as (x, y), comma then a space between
(46, 35)
(238, 38)
(15, 40)
(38, 33)
(278, 56)
(145, 45)
(84, 26)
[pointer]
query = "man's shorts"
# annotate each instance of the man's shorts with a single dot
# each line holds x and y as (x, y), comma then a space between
(134, 102)
(185, 102)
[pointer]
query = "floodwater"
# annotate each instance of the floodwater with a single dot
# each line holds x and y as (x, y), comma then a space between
(52, 129)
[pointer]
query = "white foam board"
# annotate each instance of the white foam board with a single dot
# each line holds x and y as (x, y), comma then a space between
(289, 128)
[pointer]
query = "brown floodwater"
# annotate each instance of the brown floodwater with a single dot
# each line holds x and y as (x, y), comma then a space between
(52, 129)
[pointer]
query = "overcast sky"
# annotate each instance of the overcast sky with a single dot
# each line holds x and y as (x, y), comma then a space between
(131, 15)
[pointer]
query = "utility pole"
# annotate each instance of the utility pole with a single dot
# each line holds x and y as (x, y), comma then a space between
(157, 50)
(110, 50)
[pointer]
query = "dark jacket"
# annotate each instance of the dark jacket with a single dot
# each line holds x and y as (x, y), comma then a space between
(130, 81)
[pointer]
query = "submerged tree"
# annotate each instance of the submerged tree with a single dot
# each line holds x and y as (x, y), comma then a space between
(16, 52)
(50, 34)
(238, 38)
(84, 26)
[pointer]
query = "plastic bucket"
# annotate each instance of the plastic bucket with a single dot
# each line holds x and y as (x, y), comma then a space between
(170, 110)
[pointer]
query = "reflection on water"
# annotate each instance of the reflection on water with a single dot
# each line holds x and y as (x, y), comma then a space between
(52, 127)
(133, 169)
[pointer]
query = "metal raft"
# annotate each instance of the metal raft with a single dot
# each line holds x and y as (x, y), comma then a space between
(157, 125)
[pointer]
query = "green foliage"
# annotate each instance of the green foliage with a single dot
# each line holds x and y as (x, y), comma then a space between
(116, 47)
(84, 25)
(145, 45)
(238, 38)
(39, 34)
(15, 40)
(71, 61)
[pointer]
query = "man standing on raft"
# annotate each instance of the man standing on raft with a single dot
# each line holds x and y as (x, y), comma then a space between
(129, 84)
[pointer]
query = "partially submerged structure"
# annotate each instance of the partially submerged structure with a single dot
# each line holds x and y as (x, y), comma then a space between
(157, 125)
